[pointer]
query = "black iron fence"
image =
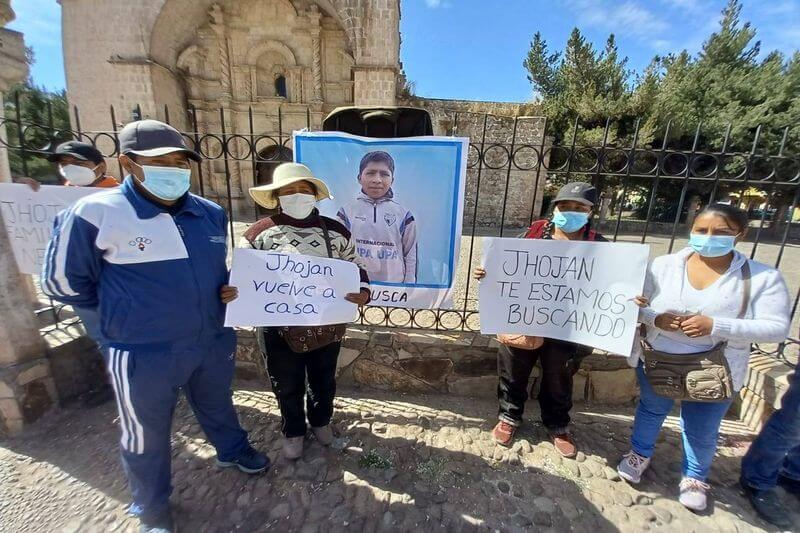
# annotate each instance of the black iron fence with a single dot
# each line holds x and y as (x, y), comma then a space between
(650, 190)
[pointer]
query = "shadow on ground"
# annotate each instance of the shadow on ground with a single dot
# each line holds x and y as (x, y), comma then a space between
(401, 463)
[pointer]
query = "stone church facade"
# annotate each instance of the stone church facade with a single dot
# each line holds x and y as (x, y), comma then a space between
(289, 61)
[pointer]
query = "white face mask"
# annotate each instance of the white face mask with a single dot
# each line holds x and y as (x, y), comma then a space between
(77, 175)
(298, 206)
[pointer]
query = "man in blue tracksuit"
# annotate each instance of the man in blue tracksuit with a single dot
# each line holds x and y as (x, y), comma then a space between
(151, 258)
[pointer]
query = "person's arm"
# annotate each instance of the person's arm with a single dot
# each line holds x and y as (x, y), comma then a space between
(343, 218)
(348, 253)
(73, 261)
(408, 230)
(771, 320)
(647, 315)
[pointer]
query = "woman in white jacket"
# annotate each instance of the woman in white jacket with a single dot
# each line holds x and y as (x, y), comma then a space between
(693, 301)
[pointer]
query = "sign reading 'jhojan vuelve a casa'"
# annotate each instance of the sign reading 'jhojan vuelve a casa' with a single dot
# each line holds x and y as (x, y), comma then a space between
(570, 290)
(278, 289)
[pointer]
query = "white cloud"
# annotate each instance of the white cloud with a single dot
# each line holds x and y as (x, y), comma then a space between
(627, 18)
(433, 3)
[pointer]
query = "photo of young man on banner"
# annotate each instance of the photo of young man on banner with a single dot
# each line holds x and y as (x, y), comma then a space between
(403, 200)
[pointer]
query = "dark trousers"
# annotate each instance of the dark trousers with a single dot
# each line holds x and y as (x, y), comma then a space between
(297, 377)
(560, 361)
(147, 380)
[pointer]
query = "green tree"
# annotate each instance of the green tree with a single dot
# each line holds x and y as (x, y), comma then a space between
(40, 135)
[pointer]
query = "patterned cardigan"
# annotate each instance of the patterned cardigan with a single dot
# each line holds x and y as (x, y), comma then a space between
(287, 235)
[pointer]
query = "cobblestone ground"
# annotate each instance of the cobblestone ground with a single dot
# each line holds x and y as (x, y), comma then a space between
(401, 463)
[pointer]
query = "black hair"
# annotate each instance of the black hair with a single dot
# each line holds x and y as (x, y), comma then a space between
(377, 156)
(734, 216)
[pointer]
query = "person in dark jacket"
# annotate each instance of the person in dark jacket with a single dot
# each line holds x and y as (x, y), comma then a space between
(150, 256)
(300, 229)
(560, 360)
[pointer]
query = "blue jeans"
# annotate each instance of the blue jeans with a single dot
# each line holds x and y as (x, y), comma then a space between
(777, 448)
(700, 423)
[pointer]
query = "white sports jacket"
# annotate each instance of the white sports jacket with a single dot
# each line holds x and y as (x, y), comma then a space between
(385, 235)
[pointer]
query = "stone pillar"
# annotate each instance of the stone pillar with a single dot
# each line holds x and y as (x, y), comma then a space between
(26, 387)
(374, 85)
(217, 17)
(316, 53)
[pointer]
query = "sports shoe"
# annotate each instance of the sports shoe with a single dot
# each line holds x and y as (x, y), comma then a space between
(565, 445)
(693, 494)
(503, 433)
(250, 461)
(293, 447)
(323, 434)
(768, 506)
(792, 486)
(632, 467)
(163, 523)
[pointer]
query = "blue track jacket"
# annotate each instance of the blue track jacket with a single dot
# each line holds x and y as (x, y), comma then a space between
(155, 277)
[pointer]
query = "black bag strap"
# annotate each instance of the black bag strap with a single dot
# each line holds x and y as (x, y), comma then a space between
(326, 236)
(746, 275)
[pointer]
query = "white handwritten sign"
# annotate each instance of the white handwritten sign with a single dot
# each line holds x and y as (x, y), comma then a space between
(570, 290)
(290, 290)
(29, 215)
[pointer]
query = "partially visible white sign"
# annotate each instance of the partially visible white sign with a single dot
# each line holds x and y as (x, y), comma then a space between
(278, 289)
(29, 215)
(570, 290)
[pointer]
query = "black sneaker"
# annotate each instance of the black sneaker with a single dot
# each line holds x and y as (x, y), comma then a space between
(768, 506)
(250, 461)
(163, 523)
(792, 486)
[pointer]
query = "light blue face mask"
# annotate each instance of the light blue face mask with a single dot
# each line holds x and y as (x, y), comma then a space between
(167, 183)
(712, 245)
(570, 221)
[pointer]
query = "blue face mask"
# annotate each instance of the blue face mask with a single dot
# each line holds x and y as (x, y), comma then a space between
(166, 183)
(570, 221)
(712, 245)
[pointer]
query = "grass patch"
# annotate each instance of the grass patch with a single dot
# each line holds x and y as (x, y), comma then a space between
(376, 459)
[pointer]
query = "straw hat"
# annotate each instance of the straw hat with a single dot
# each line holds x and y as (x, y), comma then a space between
(286, 174)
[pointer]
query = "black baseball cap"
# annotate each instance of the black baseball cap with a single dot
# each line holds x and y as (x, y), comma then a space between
(78, 150)
(151, 138)
(577, 191)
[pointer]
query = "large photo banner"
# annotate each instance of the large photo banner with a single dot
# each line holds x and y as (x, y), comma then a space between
(402, 199)
(278, 289)
(29, 217)
(570, 290)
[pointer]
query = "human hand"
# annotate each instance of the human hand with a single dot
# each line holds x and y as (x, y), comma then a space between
(668, 321)
(479, 273)
(359, 298)
(697, 326)
(30, 182)
(228, 293)
(641, 301)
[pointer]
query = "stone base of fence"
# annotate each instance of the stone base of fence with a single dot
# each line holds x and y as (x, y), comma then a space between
(767, 381)
(27, 392)
(425, 361)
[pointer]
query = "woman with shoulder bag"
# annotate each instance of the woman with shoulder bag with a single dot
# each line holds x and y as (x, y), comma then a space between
(701, 310)
(296, 355)
(560, 360)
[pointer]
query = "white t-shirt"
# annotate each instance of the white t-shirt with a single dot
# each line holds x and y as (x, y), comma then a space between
(693, 302)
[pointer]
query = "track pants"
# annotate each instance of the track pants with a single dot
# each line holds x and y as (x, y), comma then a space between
(146, 379)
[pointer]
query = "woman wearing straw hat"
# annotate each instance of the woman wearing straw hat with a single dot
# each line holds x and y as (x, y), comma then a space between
(299, 228)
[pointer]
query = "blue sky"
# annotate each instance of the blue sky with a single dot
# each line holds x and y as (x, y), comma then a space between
(473, 49)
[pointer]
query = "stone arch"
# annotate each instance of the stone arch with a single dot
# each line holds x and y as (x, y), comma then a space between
(271, 46)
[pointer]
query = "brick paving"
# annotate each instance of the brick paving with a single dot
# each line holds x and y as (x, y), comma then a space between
(400, 463)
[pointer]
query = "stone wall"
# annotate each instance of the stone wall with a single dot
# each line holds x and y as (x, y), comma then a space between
(424, 361)
(510, 128)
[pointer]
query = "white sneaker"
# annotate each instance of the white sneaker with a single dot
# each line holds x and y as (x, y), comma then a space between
(693, 494)
(632, 467)
(293, 447)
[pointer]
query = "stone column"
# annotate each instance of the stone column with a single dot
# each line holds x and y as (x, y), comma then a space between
(316, 53)
(217, 17)
(26, 387)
